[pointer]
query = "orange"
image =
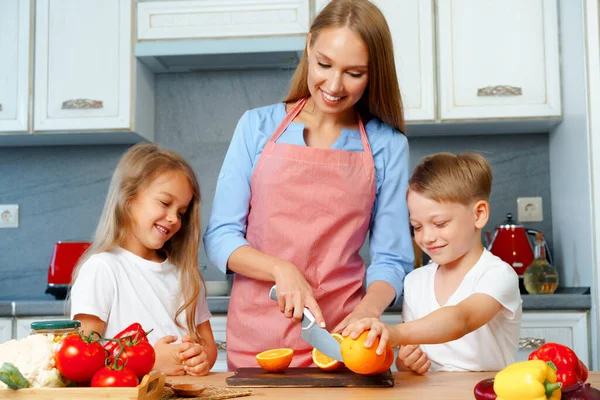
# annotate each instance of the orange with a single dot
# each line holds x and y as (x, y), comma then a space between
(389, 360)
(324, 362)
(358, 358)
(276, 360)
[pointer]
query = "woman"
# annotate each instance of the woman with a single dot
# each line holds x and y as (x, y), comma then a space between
(302, 183)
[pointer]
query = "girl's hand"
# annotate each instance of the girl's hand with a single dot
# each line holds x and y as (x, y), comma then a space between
(294, 293)
(413, 358)
(167, 356)
(194, 358)
(376, 328)
(355, 316)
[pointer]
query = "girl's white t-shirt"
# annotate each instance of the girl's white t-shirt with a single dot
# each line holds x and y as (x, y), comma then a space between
(121, 288)
(489, 348)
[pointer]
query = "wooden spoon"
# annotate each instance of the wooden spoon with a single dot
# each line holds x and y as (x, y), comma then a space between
(186, 389)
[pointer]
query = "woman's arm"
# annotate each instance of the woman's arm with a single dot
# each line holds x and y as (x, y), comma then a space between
(390, 243)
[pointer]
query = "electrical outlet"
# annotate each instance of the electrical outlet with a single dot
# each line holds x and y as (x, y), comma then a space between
(530, 209)
(9, 215)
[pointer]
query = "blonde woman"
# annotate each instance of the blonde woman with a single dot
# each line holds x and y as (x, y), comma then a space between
(303, 182)
(143, 264)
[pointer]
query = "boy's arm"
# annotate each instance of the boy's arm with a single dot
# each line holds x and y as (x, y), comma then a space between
(447, 323)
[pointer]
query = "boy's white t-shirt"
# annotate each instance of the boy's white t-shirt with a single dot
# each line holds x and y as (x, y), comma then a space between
(121, 288)
(489, 348)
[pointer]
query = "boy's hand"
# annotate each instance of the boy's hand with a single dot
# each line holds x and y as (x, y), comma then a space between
(412, 357)
(167, 356)
(194, 358)
(376, 328)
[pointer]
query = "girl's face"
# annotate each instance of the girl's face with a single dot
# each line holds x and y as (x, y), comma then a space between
(156, 213)
(337, 70)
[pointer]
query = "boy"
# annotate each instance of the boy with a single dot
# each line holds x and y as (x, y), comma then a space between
(464, 309)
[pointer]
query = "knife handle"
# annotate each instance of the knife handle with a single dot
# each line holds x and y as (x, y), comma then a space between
(273, 293)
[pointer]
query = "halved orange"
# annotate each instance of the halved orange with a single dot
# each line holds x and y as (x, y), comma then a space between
(324, 362)
(275, 360)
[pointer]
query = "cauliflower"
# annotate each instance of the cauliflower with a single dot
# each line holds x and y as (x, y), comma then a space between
(34, 357)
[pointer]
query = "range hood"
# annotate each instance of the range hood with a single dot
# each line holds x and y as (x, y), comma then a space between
(220, 54)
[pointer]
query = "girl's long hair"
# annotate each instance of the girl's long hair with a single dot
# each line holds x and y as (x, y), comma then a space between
(137, 169)
(381, 98)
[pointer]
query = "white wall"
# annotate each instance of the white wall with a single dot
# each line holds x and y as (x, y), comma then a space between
(570, 163)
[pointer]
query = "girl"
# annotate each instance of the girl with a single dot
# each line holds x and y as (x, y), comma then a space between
(143, 263)
(303, 182)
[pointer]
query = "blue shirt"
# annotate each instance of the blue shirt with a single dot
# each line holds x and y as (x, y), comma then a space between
(390, 243)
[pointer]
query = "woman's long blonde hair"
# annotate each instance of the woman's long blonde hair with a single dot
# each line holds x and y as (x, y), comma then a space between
(136, 170)
(382, 97)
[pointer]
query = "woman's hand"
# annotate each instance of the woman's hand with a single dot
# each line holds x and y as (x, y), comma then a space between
(376, 328)
(413, 358)
(355, 316)
(168, 359)
(294, 293)
(194, 358)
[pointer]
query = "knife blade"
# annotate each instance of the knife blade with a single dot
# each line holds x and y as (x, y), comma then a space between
(316, 336)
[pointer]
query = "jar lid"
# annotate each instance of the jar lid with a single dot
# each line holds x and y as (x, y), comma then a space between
(55, 324)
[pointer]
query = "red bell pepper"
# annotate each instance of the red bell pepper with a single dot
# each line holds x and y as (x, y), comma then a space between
(570, 370)
(133, 333)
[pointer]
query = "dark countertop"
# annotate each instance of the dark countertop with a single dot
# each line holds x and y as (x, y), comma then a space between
(565, 298)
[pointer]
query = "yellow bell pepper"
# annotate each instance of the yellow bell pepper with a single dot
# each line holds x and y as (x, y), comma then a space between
(528, 380)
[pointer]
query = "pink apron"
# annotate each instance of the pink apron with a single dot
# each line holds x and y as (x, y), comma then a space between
(311, 207)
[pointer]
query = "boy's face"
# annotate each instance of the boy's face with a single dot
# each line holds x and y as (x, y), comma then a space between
(448, 232)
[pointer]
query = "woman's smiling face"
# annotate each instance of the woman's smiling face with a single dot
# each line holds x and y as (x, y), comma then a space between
(337, 69)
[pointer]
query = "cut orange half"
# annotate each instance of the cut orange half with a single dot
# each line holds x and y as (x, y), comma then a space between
(324, 362)
(276, 360)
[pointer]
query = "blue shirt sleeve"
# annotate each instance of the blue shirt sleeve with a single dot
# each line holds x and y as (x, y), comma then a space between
(390, 242)
(226, 229)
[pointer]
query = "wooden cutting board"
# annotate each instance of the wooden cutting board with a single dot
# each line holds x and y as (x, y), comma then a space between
(307, 377)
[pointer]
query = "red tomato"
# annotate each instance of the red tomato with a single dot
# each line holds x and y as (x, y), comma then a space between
(78, 359)
(109, 377)
(139, 357)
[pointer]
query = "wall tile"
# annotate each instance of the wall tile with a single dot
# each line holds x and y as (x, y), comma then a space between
(61, 190)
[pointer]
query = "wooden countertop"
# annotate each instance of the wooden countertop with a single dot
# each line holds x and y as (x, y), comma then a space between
(432, 386)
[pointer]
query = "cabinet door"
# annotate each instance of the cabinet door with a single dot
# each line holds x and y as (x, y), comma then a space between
(411, 26)
(218, 324)
(5, 328)
(498, 59)
(15, 31)
(221, 19)
(82, 65)
(568, 328)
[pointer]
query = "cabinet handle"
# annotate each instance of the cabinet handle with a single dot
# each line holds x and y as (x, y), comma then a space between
(500, 90)
(531, 342)
(0, 106)
(221, 345)
(81, 104)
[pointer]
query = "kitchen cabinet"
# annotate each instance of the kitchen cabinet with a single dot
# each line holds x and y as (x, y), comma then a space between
(200, 19)
(568, 328)
(498, 59)
(5, 329)
(15, 35)
(218, 324)
(86, 78)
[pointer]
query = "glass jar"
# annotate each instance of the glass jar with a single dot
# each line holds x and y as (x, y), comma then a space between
(59, 328)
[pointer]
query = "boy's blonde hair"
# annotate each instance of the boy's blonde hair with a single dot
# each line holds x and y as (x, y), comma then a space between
(382, 97)
(136, 170)
(445, 177)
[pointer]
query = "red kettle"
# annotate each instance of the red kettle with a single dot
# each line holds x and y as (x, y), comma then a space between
(511, 243)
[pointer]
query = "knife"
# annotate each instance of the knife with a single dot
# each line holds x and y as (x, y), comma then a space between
(315, 335)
